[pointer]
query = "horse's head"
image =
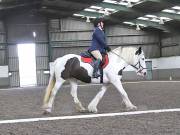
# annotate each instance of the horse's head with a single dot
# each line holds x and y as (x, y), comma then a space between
(139, 62)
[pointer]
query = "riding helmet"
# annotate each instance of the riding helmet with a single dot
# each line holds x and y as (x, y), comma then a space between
(98, 20)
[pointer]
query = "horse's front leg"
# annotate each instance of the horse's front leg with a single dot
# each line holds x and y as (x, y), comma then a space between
(92, 107)
(115, 80)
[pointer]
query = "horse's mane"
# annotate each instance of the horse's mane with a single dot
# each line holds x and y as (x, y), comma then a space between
(127, 53)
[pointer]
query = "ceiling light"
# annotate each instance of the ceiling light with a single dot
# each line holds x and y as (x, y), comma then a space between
(129, 4)
(142, 25)
(78, 15)
(169, 11)
(95, 7)
(166, 18)
(88, 19)
(106, 12)
(161, 21)
(143, 18)
(110, 1)
(34, 34)
(154, 20)
(176, 7)
(135, 1)
(111, 9)
(90, 10)
(151, 16)
(93, 17)
(138, 27)
(130, 23)
(122, 3)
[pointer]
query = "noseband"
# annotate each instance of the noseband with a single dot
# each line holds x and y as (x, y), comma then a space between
(138, 67)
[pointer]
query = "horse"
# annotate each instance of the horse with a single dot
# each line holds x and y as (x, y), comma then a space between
(70, 68)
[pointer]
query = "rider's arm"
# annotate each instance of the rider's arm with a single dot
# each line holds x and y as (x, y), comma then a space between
(100, 38)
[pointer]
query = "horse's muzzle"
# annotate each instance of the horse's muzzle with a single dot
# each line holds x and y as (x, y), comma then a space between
(145, 73)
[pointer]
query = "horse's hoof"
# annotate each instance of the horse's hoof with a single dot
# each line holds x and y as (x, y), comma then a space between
(131, 108)
(83, 111)
(47, 111)
(44, 107)
(80, 108)
(123, 104)
(92, 109)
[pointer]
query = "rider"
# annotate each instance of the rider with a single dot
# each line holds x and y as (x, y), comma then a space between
(98, 45)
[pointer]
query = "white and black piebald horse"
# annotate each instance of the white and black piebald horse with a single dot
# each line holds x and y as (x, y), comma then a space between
(71, 68)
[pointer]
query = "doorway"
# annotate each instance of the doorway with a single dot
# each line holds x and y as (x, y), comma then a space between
(27, 64)
(149, 70)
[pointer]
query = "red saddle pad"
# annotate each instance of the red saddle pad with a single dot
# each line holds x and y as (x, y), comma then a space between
(90, 60)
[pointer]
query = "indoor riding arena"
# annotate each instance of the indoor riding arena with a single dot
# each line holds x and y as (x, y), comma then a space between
(141, 98)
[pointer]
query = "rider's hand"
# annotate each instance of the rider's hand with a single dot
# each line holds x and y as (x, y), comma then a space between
(108, 49)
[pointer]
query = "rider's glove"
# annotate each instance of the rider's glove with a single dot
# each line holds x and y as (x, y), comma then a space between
(108, 49)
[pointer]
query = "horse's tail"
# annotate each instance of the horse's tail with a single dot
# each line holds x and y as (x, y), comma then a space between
(51, 84)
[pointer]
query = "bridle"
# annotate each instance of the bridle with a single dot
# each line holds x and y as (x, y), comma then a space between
(137, 66)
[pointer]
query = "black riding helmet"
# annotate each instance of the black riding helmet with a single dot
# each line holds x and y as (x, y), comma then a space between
(98, 20)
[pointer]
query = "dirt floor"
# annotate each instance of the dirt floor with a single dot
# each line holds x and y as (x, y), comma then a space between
(26, 103)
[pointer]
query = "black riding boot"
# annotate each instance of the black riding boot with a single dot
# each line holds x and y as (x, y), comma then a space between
(96, 69)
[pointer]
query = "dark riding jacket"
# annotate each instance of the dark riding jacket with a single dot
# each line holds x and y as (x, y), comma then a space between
(98, 41)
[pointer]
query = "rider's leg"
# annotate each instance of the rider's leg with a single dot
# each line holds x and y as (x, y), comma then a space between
(97, 63)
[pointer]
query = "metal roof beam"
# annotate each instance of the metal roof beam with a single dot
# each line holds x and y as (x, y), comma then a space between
(165, 1)
(147, 23)
(114, 6)
(119, 8)
(160, 14)
(169, 15)
(88, 13)
(150, 24)
(163, 27)
(123, 8)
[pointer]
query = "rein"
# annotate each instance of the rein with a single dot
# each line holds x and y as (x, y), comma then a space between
(118, 55)
(139, 69)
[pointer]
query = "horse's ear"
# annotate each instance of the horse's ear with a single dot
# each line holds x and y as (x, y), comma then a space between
(139, 51)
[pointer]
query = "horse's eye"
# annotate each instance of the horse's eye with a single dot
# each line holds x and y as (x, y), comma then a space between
(142, 58)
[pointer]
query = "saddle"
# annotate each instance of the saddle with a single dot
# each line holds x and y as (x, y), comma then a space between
(87, 57)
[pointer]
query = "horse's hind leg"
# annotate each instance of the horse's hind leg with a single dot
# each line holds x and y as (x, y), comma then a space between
(92, 107)
(55, 89)
(78, 104)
